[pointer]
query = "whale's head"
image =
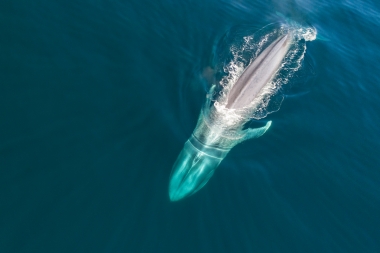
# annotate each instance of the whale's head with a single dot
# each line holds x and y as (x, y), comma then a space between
(192, 170)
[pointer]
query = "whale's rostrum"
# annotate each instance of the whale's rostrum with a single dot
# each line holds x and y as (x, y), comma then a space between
(258, 73)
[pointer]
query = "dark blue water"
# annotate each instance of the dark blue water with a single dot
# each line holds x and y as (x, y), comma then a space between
(98, 97)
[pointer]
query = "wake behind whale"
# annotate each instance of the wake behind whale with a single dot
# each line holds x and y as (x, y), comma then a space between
(258, 69)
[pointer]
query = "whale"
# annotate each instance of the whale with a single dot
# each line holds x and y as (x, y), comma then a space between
(215, 134)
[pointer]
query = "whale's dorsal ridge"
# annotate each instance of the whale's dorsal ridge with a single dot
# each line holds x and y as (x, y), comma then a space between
(258, 73)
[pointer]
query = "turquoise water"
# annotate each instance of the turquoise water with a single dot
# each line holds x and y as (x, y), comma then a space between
(97, 99)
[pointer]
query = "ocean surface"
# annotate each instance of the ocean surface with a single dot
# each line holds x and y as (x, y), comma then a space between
(98, 97)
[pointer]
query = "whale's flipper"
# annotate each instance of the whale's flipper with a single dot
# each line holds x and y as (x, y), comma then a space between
(209, 95)
(251, 133)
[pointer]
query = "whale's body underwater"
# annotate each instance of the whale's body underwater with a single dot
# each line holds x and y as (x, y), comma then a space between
(215, 135)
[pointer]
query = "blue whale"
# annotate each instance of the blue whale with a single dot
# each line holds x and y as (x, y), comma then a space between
(215, 133)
